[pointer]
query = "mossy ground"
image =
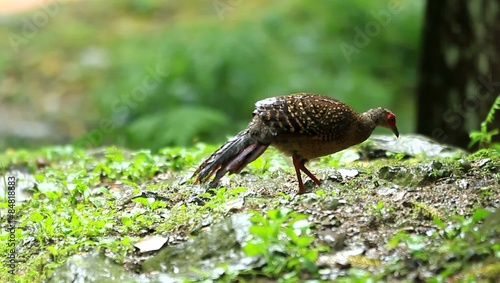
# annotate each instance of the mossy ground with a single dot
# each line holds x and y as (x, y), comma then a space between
(107, 199)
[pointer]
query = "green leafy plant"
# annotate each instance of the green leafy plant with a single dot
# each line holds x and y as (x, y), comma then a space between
(483, 136)
(284, 239)
(381, 210)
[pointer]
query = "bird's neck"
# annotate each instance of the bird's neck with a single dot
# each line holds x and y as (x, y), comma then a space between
(366, 125)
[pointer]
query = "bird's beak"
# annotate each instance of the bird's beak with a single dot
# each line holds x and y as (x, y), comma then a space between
(395, 131)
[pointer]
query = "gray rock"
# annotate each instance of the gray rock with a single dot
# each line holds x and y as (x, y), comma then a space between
(206, 253)
(91, 267)
(412, 145)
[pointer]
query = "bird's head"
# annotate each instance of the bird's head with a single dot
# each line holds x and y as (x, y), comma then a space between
(386, 119)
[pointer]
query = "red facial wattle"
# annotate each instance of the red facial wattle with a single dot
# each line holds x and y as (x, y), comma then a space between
(391, 121)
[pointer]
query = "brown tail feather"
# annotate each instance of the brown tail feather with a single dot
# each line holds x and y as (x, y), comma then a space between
(231, 157)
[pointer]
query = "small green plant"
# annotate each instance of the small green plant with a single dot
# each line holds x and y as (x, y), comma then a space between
(397, 156)
(284, 239)
(483, 136)
(378, 210)
(382, 210)
(217, 199)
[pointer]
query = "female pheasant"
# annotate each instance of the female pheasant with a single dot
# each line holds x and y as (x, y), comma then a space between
(303, 126)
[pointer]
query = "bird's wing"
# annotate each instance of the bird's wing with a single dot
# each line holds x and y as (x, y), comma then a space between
(315, 115)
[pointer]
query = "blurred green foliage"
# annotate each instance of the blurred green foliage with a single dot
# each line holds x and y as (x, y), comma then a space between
(156, 73)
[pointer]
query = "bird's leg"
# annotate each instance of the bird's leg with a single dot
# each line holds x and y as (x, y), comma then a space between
(297, 165)
(308, 173)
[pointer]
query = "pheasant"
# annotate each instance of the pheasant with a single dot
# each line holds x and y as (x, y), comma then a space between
(303, 126)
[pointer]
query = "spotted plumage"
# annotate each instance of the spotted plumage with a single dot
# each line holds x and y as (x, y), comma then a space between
(307, 114)
(304, 126)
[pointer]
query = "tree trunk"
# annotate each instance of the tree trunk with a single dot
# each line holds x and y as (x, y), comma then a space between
(460, 68)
